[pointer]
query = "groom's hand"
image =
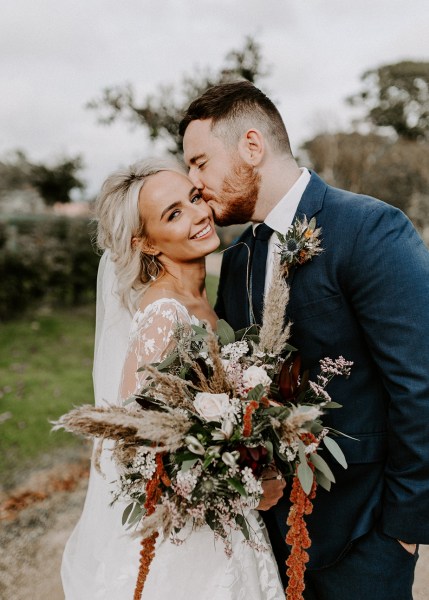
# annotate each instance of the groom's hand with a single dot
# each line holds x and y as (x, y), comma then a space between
(273, 487)
(411, 548)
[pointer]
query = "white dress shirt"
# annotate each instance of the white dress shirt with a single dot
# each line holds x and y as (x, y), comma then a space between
(280, 219)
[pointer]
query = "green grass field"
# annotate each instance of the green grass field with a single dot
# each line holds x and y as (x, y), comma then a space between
(45, 369)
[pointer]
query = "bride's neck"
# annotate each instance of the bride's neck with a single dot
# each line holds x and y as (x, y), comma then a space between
(186, 279)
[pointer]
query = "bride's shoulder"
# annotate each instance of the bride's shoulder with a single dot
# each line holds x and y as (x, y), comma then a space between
(156, 303)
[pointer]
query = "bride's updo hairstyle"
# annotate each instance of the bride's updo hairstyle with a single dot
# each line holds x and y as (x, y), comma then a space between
(119, 221)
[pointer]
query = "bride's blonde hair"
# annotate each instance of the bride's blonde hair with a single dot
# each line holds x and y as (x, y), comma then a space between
(119, 220)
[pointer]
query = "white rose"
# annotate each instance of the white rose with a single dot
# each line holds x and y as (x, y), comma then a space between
(211, 407)
(254, 375)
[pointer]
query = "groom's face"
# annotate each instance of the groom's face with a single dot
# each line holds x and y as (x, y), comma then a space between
(226, 182)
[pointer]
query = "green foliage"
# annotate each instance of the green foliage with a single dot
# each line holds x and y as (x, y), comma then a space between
(15, 171)
(397, 96)
(45, 369)
(394, 171)
(49, 259)
(54, 182)
(161, 113)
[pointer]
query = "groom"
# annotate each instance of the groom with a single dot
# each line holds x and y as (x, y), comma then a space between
(366, 297)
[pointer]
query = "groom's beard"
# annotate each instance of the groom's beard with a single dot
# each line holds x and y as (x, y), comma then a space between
(238, 196)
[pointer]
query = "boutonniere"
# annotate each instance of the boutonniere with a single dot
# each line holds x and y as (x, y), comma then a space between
(299, 245)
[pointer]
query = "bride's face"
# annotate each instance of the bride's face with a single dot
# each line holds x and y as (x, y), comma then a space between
(178, 223)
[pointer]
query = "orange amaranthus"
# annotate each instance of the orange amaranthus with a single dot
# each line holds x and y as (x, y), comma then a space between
(153, 494)
(297, 536)
(247, 418)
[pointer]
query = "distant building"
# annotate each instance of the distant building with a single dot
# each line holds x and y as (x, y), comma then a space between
(72, 209)
(25, 201)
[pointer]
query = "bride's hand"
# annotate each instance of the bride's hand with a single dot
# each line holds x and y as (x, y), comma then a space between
(273, 486)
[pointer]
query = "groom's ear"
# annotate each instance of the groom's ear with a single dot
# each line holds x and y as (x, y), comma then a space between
(251, 147)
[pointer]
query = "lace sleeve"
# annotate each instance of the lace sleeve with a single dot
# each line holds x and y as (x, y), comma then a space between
(151, 337)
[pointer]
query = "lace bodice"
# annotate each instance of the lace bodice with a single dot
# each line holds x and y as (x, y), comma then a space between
(151, 337)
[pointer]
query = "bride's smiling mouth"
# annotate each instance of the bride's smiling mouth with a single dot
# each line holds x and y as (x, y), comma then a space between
(203, 232)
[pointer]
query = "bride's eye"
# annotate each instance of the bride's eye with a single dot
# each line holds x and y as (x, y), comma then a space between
(196, 198)
(173, 215)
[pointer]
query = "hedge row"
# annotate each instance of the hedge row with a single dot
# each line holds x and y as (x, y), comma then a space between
(49, 259)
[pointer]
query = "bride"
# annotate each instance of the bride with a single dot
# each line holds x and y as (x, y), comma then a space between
(155, 230)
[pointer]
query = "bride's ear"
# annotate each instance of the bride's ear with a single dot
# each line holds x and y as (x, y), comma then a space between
(144, 245)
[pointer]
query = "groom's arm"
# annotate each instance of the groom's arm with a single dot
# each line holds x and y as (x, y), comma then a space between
(388, 279)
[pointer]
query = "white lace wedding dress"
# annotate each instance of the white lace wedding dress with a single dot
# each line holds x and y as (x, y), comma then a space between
(101, 558)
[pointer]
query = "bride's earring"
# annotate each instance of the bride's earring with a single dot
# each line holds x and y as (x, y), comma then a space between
(154, 268)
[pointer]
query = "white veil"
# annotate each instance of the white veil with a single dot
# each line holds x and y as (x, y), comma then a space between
(112, 328)
(87, 555)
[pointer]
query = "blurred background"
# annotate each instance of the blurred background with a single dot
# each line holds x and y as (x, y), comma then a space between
(93, 85)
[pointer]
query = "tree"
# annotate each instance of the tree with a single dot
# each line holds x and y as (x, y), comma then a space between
(15, 171)
(55, 183)
(394, 171)
(161, 113)
(397, 96)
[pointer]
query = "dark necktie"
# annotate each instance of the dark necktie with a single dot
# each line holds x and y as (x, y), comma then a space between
(258, 262)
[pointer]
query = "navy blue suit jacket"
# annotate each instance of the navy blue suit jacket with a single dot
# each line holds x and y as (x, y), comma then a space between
(366, 297)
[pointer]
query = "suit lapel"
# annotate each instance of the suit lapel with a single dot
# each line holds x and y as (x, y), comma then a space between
(310, 204)
(312, 199)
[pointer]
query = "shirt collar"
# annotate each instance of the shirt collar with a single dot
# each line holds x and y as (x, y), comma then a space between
(281, 216)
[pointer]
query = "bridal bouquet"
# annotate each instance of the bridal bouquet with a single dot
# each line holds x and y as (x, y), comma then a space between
(220, 410)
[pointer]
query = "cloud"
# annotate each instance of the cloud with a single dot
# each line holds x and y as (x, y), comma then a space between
(58, 55)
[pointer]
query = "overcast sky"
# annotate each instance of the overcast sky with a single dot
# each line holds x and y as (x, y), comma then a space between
(56, 55)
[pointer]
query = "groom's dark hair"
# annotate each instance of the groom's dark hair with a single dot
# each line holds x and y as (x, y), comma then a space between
(229, 104)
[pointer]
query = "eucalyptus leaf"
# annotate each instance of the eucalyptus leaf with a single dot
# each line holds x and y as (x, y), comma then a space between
(184, 371)
(305, 476)
(135, 515)
(181, 457)
(322, 465)
(335, 450)
(207, 461)
(247, 333)
(200, 330)
(257, 392)
(129, 400)
(333, 404)
(312, 224)
(290, 348)
(168, 361)
(127, 512)
(225, 332)
(188, 464)
(301, 452)
(281, 412)
(323, 481)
